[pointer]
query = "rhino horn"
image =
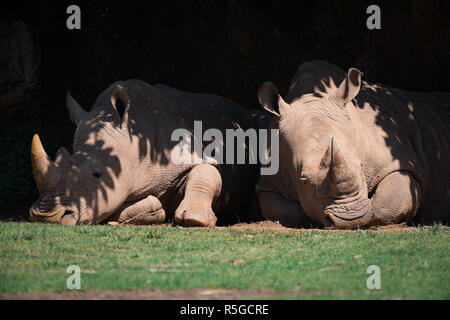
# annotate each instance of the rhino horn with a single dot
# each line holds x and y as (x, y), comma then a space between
(340, 172)
(76, 112)
(45, 172)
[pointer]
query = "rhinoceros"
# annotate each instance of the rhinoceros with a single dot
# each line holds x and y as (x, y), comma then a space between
(354, 154)
(121, 169)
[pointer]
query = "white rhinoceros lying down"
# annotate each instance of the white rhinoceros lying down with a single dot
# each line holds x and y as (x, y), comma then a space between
(121, 169)
(354, 154)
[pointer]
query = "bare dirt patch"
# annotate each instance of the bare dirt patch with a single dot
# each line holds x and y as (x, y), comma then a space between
(275, 226)
(195, 294)
(272, 226)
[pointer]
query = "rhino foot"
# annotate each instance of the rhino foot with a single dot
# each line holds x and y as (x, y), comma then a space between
(203, 187)
(195, 213)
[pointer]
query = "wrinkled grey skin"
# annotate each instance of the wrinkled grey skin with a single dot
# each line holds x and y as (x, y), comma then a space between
(354, 154)
(121, 168)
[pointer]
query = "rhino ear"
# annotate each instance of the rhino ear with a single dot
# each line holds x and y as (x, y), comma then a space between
(121, 101)
(349, 88)
(271, 100)
(76, 112)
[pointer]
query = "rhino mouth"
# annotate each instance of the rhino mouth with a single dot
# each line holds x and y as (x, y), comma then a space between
(42, 213)
(349, 211)
(45, 210)
(351, 214)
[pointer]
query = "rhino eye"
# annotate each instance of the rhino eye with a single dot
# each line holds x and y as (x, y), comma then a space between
(97, 174)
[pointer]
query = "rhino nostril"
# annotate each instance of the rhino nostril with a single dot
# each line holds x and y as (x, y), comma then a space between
(97, 174)
(68, 218)
(67, 213)
(328, 223)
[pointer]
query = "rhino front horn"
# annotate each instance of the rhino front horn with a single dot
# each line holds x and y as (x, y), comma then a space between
(341, 174)
(45, 172)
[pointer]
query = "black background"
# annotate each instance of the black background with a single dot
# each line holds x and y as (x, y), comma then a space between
(224, 47)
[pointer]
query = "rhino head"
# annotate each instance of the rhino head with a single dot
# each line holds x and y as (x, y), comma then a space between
(319, 149)
(91, 184)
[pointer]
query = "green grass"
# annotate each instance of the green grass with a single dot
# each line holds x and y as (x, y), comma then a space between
(414, 265)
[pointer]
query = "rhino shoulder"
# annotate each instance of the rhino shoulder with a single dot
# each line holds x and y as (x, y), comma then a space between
(170, 92)
(187, 98)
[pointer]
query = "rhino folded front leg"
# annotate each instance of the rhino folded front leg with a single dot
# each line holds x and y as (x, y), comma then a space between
(203, 187)
(142, 212)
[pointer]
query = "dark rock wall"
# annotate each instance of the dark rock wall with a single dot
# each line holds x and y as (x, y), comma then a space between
(230, 47)
(20, 68)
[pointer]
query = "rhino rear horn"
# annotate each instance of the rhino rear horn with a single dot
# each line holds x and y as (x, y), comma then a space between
(45, 171)
(62, 157)
(76, 112)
